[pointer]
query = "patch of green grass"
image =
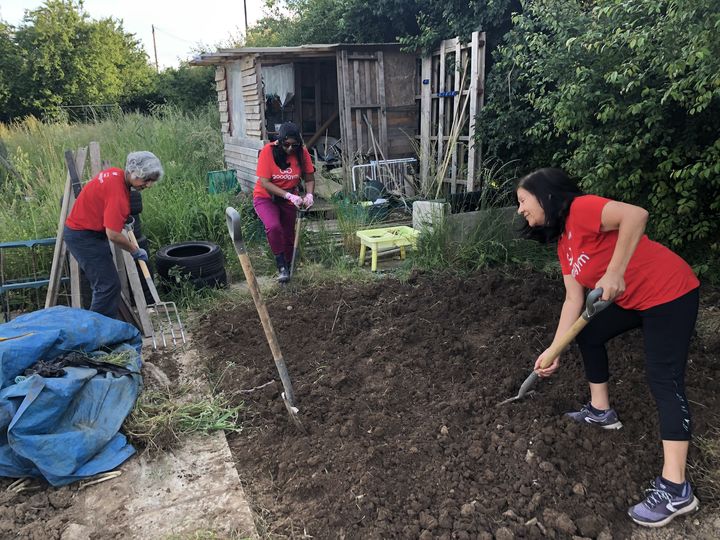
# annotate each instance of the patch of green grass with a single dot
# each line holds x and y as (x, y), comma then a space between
(491, 242)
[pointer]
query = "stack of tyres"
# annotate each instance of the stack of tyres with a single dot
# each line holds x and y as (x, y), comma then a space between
(200, 262)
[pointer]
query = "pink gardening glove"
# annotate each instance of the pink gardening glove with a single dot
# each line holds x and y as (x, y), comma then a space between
(297, 201)
(308, 200)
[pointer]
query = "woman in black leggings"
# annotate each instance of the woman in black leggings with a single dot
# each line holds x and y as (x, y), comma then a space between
(601, 244)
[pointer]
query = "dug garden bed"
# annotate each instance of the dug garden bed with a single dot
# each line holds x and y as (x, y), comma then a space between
(398, 385)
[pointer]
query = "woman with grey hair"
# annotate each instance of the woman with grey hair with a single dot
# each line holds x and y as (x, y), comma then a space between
(99, 215)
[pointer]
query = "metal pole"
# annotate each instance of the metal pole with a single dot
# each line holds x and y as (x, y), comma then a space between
(157, 66)
(246, 24)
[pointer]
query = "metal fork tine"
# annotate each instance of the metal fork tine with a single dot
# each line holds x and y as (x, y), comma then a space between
(166, 318)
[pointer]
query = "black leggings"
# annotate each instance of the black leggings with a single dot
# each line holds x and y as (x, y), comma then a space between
(667, 329)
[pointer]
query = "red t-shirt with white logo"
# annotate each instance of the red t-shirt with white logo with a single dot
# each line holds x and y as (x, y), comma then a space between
(654, 276)
(286, 179)
(103, 202)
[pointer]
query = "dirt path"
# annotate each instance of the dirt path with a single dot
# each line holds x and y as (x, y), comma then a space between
(190, 492)
(398, 382)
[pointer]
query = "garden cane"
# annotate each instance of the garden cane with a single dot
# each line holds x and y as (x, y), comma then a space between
(593, 306)
(232, 218)
(164, 315)
(298, 223)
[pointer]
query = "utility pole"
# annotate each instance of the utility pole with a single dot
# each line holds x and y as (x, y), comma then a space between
(246, 25)
(157, 66)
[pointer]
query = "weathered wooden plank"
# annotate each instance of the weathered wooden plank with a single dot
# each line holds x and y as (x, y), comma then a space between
(358, 114)
(365, 106)
(345, 107)
(441, 103)
(59, 251)
(263, 131)
(246, 142)
(382, 116)
(242, 161)
(250, 151)
(247, 61)
(425, 103)
(353, 56)
(456, 107)
(138, 294)
(474, 76)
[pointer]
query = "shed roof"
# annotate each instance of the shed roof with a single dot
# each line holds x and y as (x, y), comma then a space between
(319, 50)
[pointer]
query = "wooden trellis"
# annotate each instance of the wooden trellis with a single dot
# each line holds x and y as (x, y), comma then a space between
(451, 95)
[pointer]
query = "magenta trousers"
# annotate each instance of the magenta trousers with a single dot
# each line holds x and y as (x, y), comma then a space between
(279, 219)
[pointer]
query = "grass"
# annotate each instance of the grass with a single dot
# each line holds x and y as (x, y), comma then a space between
(706, 466)
(162, 417)
(177, 209)
(188, 144)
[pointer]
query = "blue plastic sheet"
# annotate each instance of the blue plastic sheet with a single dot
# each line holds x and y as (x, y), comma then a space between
(66, 428)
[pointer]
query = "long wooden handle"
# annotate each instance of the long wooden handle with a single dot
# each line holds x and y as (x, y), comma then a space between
(321, 129)
(296, 243)
(145, 271)
(558, 346)
(267, 325)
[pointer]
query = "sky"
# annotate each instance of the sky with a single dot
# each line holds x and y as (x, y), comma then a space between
(180, 25)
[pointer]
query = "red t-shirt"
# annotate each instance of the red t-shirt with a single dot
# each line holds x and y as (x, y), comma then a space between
(103, 202)
(286, 179)
(654, 276)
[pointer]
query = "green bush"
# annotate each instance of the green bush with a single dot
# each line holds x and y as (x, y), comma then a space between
(626, 97)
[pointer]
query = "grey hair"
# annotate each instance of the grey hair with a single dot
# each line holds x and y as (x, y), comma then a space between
(144, 165)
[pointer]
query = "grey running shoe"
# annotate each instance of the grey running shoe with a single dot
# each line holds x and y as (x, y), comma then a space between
(660, 507)
(607, 420)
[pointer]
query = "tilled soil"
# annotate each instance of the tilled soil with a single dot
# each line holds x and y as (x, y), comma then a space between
(397, 385)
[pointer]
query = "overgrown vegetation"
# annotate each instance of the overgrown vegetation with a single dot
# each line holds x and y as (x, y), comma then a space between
(178, 208)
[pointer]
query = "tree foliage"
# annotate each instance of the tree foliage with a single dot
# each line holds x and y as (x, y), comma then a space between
(11, 63)
(59, 57)
(416, 23)
(70, 59)
(626, 96)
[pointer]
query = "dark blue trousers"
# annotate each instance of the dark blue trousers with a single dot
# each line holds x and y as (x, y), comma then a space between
(92, 252)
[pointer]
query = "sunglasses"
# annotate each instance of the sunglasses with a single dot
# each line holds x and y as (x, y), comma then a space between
(291, 145)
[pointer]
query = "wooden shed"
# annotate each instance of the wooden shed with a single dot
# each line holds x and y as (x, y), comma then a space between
(376, 101)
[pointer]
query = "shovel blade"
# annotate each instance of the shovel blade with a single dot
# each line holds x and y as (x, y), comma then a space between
(524, 388)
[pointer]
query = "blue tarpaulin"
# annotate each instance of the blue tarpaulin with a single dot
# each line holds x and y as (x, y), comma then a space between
(65, 428)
